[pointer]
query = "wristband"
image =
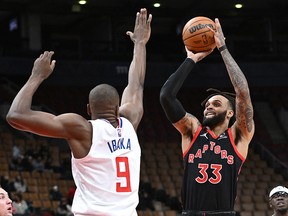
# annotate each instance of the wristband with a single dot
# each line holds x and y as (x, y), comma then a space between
(222, 48)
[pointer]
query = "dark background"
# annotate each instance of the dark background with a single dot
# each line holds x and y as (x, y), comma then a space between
(96, 31)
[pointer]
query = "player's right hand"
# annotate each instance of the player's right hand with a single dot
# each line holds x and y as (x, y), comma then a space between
(196, 57)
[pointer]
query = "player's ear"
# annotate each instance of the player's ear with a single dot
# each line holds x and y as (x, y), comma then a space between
(230, 113)
(270, 205)
(88, 110)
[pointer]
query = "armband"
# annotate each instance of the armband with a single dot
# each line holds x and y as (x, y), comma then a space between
(222, 48)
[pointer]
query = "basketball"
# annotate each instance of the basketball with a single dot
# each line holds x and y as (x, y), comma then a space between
(196, 36)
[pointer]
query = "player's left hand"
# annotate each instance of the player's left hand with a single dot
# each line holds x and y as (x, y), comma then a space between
(142, 29)
(218, 34)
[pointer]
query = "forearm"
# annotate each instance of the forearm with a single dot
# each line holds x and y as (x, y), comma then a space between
(133, 93)
(171, 105)
(132, 97)
(23, 100)
(137, 70)
(236, 75)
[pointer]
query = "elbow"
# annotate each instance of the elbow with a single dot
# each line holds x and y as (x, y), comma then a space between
(9, 117)
(13, 119)
(244, 93)
(163, 98)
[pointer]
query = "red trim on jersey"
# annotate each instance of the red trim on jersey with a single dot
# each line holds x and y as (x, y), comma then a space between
(234, 145)
(212, 133)
(193, 140)
(239, 171)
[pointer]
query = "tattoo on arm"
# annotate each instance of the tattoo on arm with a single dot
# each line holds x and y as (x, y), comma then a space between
(244, 109)
(188, 125)
(249, 118)
(236, 75)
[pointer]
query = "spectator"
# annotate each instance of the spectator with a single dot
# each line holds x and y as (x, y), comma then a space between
(20, 206)
(38, 164)
(174, 202)
(6, 184)
(17, 164)
(27, 163)
(160, 193)
(278, 200)
(64, 208)
(55, 194)
(20, 185)
(145, 201)
(17, 152)
(146, 186)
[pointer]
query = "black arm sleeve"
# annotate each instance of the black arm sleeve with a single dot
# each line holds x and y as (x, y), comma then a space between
(171, 105)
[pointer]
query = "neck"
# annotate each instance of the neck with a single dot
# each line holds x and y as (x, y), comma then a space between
(112, 120)
(218, 129)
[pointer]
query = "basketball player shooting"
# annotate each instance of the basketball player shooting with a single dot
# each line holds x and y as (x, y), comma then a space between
(214, 151)
(105, 149)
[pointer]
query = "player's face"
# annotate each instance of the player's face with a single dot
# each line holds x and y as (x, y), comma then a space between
(214, 120)
(279, 202)
(215, 111)
(5, 203)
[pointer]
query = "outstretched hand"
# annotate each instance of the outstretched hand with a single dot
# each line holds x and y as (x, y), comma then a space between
(142, 29)
(43, 66)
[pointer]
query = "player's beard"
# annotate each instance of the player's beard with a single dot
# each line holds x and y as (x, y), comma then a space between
(282, 210)
(215, 120)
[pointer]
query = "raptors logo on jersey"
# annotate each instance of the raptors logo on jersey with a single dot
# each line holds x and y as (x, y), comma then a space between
(217, 163)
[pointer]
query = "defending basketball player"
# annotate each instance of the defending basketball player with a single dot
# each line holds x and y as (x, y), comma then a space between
(214, 151)
(105, 149)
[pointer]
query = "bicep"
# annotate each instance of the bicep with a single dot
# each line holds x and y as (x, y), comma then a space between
(132, 105)
(133, 95)
(133, 112)
(46, 124)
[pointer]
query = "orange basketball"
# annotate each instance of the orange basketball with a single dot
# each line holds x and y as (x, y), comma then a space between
(196, 36)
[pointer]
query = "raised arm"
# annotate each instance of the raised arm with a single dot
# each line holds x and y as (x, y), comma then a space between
(244, 125)
(22, 117)
(184, 122)
(132, 97)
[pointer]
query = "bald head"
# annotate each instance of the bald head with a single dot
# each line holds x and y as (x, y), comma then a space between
(103, 98)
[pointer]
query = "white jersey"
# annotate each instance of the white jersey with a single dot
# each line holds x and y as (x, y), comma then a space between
(107, 179)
